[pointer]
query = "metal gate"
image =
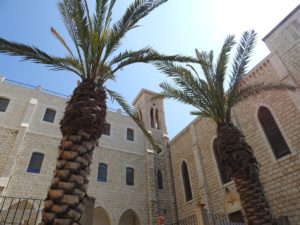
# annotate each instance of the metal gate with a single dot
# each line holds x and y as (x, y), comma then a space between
(191, 220)
(19, 211)
(222, 219)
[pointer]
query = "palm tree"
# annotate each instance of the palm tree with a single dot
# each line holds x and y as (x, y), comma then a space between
(95, 60)
(211, 100)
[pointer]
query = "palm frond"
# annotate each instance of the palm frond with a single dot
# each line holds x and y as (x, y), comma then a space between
(80, 17)
(206, 62)
(152, 57)
(133, 14)
(172, 92)
(65, 10)
(258, 88)
(222, 63)
(36, 55)
(130, 54)
(134, 115)
(61, 40)
(242, 56)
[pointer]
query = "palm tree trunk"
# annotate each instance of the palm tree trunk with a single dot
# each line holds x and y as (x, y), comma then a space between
(241, 165)
(81, 128)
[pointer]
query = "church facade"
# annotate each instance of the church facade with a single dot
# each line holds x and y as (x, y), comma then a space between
(131, 184)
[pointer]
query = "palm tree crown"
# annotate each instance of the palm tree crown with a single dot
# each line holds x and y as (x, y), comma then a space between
(208, 95)
(96, 43)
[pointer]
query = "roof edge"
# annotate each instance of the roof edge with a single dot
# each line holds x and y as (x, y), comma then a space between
(143, 90)
(281, 22)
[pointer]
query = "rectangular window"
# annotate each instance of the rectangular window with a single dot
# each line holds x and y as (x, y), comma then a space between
(102, 172)
(35, 163)
(130, 134)
(106, 129)
(129, 176)
(3, 104)
(49, 115)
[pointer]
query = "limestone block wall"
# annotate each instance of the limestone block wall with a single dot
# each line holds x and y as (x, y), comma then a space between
(284, 41)
(7, 139)
(181, 150)
(114, 195)
(34, 185)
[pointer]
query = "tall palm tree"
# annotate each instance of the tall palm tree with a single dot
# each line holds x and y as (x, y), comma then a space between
(209, 97)
(95, 60)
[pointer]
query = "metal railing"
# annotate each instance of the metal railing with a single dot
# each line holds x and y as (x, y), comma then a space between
(222, 219)
(191, 220)
(20, 211)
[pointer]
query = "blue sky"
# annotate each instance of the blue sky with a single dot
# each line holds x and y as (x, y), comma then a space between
(176, 27)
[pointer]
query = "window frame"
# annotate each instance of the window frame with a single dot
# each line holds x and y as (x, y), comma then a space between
(32, 168)
(277, 153)
(160, 180)
(99, 178)
(187, 186)
(129, 172)
(46, 116)
(5, 101)
(109, 129)
(128, 137)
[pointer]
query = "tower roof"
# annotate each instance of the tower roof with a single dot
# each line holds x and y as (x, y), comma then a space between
(142, 91)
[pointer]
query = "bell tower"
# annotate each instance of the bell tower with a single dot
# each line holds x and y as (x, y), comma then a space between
(159, 184)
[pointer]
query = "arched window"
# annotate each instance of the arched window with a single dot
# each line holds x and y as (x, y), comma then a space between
(222, 171)
(152, 118)
(129, 176)
(157, 119)
(130, 134)
(186, 181)
(272, 132)
(106, 129)
(159, 180)
(35, 163)
(49, 115)
(3, 104)
(102, 172)
(140, 114)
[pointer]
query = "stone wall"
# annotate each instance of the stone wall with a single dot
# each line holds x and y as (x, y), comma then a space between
(280, 177)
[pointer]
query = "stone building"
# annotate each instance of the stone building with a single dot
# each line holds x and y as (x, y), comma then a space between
(131, 184)
(271, 125)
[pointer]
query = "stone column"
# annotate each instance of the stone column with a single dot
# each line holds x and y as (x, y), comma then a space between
(88, 215)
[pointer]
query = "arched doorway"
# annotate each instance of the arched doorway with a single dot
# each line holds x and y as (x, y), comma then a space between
(129, 217)
(100, 217)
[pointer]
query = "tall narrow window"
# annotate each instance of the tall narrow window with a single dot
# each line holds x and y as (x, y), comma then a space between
(129, 176)
(102, 172)
(49, 115)
(272, 132)
(35, 163)
(130, 134)
(186, 181)
(222, 171)
(152, 118)
(157, 119)
(159, 180)
(140, 114)
(106, 129)
(3, 104)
